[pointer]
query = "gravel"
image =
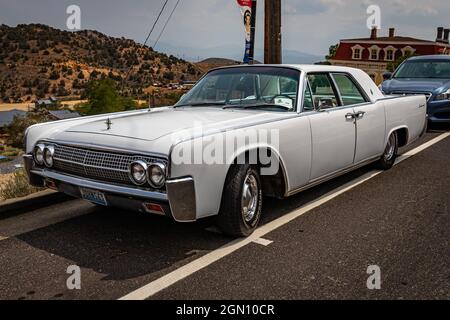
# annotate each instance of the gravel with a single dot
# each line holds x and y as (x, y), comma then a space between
(10, 166)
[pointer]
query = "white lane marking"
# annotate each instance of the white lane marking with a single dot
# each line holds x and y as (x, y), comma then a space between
(173, 277)
(263, 242)
(422, 147)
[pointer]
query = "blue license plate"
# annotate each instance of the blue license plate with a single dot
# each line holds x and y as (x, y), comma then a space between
(93, 196)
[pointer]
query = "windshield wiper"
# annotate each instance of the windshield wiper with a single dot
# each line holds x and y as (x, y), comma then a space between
(200, 104)
(258, 106)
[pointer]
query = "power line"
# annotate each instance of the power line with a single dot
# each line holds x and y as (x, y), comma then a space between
(156, 21)
(167, 22)
(146, 40)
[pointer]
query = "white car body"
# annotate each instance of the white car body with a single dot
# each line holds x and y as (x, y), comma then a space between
(314, 146)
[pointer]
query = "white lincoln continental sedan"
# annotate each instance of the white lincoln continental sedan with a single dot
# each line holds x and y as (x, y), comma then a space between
(240, 134)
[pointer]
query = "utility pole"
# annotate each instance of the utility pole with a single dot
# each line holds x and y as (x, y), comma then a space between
(272, 32)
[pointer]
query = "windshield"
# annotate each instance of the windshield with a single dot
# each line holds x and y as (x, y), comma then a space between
(271, 88)
(424, 69)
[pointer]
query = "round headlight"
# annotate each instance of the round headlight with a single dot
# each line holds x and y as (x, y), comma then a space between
(39, 154)
(157, 175)
(49, 151)
(138, 172)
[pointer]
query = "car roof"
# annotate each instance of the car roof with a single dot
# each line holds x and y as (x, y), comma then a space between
(301, 67)
(436, 57)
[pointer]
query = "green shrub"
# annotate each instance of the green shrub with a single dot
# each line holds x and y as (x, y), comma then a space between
(17, 186)
(103, 97)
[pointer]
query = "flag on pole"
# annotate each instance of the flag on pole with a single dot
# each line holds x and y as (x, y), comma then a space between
(248, 12)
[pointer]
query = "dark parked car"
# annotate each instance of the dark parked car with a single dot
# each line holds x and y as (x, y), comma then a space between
(428, 75)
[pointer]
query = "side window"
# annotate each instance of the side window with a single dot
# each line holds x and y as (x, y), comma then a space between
(322, 91)
(350, 93)
(308, 104)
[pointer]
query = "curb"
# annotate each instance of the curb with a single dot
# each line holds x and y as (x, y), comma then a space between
(31, 202)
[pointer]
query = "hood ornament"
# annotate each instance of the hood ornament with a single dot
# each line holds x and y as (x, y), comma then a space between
(108, 124)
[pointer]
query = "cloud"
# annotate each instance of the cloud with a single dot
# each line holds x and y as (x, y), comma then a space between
(303, 7)
(308, 25)
(412, 8)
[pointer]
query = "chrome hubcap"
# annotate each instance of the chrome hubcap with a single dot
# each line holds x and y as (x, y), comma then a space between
(390, 149)
(249, 200)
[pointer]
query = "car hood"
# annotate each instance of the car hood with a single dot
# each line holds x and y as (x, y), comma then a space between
(157, 130)
(414, 85)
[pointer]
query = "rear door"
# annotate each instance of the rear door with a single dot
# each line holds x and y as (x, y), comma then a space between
(369, 117)
(332, 128)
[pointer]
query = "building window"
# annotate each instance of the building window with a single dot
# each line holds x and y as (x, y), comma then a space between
(389, 55)
(374, 52)
(357, 52)
(408, 51)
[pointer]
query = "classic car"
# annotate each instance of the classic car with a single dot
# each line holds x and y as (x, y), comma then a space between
(318, 122)
(426, 75)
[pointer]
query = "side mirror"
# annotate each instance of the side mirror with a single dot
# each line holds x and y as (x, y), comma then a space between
(325, 103)
(387, 76)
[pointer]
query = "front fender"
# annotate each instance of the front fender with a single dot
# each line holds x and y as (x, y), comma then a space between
(209, 178)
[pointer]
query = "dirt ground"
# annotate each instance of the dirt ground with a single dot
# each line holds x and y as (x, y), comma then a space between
(5, 177)
(18, 106)
(27, 105)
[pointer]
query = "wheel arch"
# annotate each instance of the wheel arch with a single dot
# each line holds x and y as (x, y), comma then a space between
(402, 135)
(273, 185)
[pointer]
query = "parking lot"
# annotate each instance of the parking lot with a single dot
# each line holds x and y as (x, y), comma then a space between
(315, 245)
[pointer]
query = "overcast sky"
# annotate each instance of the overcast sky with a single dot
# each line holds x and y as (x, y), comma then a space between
(308, 26)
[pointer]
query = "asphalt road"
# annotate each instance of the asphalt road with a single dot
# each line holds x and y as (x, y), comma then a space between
(398, 220)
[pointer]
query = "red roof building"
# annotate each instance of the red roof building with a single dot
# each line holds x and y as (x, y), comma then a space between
(375, 53)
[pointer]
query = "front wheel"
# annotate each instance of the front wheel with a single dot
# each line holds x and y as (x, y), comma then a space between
(389, 156)
(241, 206)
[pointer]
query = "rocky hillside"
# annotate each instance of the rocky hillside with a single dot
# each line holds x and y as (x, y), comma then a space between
(37, 61)
(211, 63)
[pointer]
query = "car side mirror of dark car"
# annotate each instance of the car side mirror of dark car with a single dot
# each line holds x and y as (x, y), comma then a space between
(387, 76)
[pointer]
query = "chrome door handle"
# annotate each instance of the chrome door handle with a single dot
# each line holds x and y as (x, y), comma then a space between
(360, 114)
(350, 116)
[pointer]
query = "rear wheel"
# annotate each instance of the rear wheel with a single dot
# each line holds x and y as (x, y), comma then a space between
(240, 210)
(387, 160)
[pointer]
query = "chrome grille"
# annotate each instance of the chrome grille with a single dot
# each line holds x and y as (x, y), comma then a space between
(97, 165)
(426, 94)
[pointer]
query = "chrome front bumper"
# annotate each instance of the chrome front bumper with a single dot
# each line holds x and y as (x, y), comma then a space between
(179, 200)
